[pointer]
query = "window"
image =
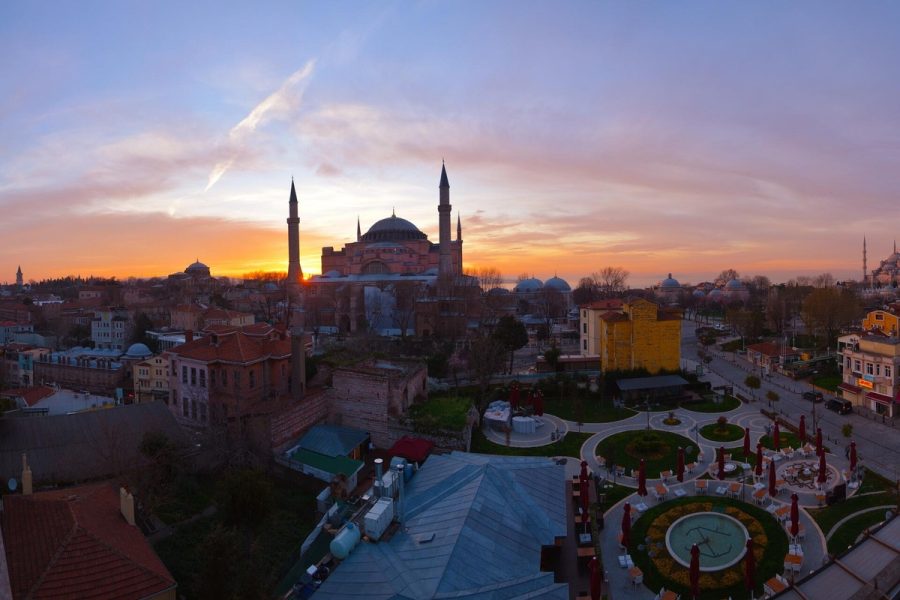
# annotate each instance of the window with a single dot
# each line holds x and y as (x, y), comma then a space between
(184, 407)
(237, 379)
(879, 316)
(857, 366)
(193, 376)
(584, 344)
(870, 370)
(848, 362)
(194, 409)
(252, 379)
(584, 327)
(877, 368)
(887, 371)
(183, 374)
(203, 412)
(202, 378)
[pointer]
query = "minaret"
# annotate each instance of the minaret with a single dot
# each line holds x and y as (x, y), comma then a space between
(19, 280)
(865, 268)
(445, 265)
(295, 276)
(358, 230)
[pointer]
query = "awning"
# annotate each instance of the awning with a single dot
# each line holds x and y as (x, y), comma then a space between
(879, 397)
(849, 388)
(410, 448)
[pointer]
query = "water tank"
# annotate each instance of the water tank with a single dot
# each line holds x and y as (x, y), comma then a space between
(389, 485)
(407, 467)
(344, 542)
(379, 517)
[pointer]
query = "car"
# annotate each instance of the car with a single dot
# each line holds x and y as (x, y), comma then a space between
(841, 407)
(815, 397)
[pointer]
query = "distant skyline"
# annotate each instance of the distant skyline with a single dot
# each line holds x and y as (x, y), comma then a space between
(660, 137)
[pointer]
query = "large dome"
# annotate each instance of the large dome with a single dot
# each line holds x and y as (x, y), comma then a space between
(197, 267)
(669, 282)
(393, 229)
(528, 285)
(734, 285)
(138, 351)
(555, 283)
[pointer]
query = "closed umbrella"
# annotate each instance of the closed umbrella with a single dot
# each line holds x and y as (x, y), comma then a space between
(852, 457)
(776, 438)
(514, 396)
(721, 474)
(642, 479)
(539, 403)
(823, 474)
(772, 489)
(749, 567)
(596, 582)
(679, 469)
(795, 516)
(802, 429)
(695, 570)
(747, 450)
(819, 448)
(759, 459)
(585, 495)
(584, 471)
(626, 526)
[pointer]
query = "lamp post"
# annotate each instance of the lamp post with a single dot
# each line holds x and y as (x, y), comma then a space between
(647, 399)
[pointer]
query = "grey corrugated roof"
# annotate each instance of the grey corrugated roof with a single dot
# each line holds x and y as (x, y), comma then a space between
(87, 445)
(645, 383)
(490, 515)
(332, 440)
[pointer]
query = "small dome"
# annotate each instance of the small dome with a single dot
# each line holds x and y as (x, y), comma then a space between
(698, 294)
(498, 291)
(734, 284)
(716, 293)
(669, 282)
(333, 273)
(393, 229)
(558, 284)
(196, 266)
(138, 351)
(528, 285)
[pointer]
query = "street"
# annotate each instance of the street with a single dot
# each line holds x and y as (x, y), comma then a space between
(878, 444)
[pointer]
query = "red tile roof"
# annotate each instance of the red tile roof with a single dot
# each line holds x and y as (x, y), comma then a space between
(609, 304)
(613, 316)
(31, 395)
(226, 344)
(74, 544)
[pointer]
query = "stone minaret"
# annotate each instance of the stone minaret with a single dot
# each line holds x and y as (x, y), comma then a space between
(19, 280)
(358, 230)
(445, 266)
(294, 279)
(865, 268)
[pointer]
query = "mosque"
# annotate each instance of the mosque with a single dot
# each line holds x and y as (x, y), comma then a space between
(887, 273)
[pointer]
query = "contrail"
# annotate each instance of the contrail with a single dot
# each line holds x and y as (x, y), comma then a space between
(286, 98)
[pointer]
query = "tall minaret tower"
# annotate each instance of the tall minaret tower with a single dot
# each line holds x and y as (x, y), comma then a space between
(19, 279)
(865, 268)
(445, 266)
(295, 276)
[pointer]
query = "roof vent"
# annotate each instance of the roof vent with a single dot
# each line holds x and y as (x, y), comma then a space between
(424, 538)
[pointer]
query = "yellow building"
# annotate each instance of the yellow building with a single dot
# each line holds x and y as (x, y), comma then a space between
(151, 380)
(882, 320)
(640, 336)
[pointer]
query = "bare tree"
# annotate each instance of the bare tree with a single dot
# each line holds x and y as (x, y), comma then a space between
(405, 294)
(823, 281)
(610, 280)
(727, 275)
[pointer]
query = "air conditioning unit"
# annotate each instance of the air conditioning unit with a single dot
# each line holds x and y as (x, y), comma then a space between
(378, 518)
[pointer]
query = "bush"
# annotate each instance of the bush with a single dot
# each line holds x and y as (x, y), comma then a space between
(847, 429)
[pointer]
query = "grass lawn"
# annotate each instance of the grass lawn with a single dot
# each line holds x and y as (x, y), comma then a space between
(829, 516)
(613, 494)
(594, 410)
(786, 438)
(441, 412)
(708, 406)
(728, 433)
(277, 539)
(873, 482)
(847, 533)
(659, 449)
(191, 494)
(766, 532)
(568, 446)
(828, 382)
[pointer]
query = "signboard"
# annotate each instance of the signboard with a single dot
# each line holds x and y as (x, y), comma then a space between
(864, 383)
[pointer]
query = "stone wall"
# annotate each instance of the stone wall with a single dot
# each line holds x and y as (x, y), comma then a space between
(290, 423)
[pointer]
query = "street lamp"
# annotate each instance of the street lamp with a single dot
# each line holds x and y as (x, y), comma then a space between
(647, 399)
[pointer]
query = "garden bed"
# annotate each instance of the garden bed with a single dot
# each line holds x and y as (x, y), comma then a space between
(727, 404)
(722, 433)
(570, 446)
(659, 449)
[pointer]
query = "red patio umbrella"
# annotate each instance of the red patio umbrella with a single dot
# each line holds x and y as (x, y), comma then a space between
(514, 395)
(642, 479)
(749, 567)
(584, 470)
(585, 496)
(776, 438)
(802, 429)
(852, 457)
(823, 473)
(539, 403)
(626, 526)
(759, 459)
(820, 450)
(772, 489)
(721, 474)
(596, 585)
(795, 516)
(746, 443)
(679, 469)
(695, 570)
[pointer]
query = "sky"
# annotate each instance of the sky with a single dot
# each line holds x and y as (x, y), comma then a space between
(660, 137)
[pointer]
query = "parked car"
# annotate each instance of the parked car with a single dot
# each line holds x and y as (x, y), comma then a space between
(841, 407)
(813, 396)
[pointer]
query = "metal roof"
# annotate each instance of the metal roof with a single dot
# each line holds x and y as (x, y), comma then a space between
(485, 519)
(329, 464)
(332, 440)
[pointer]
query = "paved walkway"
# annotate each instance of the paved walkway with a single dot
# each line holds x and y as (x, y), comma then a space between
(856, 514)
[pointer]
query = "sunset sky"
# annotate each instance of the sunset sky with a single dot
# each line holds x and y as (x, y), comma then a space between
(683, 137)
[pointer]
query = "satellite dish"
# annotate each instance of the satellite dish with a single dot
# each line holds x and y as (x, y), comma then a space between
(12, 484)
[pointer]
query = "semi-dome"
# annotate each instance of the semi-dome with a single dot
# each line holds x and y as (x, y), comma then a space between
(332, 273)
(393, 229)
(138, 351)
(669, 282)
(555, 283)
(698, 293)
(531, 284)
(734, 284)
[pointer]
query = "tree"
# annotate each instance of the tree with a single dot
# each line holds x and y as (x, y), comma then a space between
(826, 310)
(772, 396)
(512, 335)
(727, 275)
(485, 358)
(221, 553)
(847, 429)
(752, 382)
(824, 280)
(611, 281)
(551, 357)
(245, 499)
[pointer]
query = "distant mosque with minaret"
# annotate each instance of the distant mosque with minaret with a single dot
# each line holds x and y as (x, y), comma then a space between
(887, 273)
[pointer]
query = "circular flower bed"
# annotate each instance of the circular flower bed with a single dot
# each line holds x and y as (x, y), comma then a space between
(649, 552)
(722, 433)
(658, 448)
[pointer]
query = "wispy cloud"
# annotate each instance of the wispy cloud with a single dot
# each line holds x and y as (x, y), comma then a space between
(280, 103)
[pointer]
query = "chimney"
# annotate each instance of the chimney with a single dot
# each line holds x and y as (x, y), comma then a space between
(126, 505)
(378, 474)
(400, 494)
(188, 336)
(26, 476)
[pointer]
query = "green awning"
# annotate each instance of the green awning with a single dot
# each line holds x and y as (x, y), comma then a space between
(329, 464)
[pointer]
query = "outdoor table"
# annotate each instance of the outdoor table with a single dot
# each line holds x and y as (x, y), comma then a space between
(661, 490)
(637, 576)
(585, 551)
(795, 549)
(625, 561)
(721, 490)
(783, 512)
(734, 489)
(775, 585)
(759, 494)
(640, 507)
(668, 595)
(664, 475)
(793, 562)
(759, 486)
(680, 492)
(700, 486)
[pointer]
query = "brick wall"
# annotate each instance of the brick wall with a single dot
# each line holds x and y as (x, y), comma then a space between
(290, 423)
